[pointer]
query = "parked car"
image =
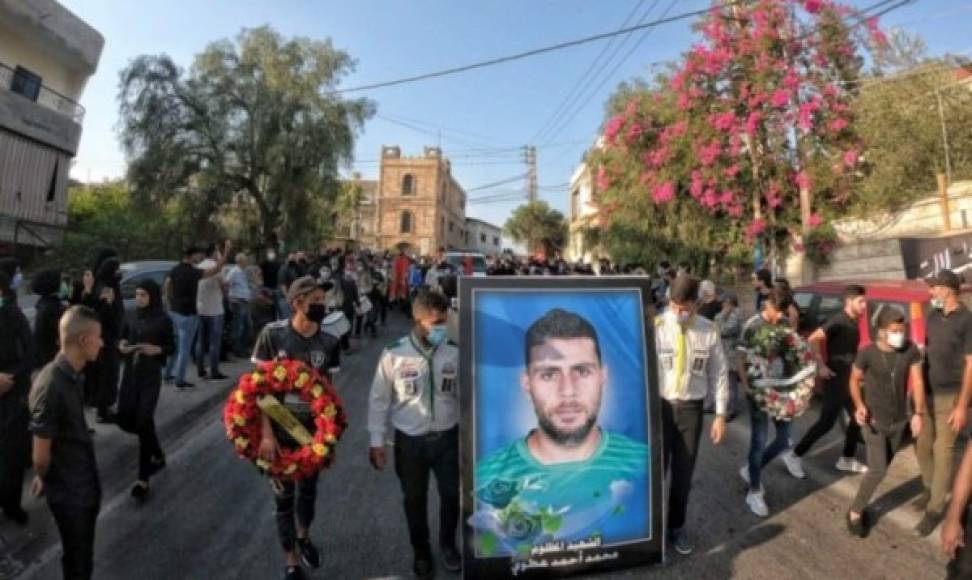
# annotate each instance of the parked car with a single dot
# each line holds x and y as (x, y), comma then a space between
(458, 260)
(135, 272)
(818, 302)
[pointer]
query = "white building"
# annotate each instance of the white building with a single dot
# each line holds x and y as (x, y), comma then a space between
(47, 55)
(483, 237)
(584, 216)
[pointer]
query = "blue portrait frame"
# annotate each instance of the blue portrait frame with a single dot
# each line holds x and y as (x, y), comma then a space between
(580, 559)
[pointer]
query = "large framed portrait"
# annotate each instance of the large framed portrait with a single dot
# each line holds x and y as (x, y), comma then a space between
(561, 430)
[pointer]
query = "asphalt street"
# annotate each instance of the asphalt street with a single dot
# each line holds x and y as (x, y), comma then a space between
(211, 515)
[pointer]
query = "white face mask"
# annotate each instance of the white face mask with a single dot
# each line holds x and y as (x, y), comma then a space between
(896, 339)
(937, 303)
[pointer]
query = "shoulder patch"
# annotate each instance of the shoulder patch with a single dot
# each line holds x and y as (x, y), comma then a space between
(395, 343)
(659, 320)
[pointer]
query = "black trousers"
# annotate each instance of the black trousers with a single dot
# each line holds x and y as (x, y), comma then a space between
(76, 525)
(882, 445)
(293, 498)
(836, 399)
(681, 432)
(415, 458)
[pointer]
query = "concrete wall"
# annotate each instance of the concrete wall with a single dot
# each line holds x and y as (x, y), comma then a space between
(476, 230)
(27, 118)
(49, 34)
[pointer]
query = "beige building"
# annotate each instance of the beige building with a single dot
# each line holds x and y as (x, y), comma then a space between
(47, 55)
(420, 206)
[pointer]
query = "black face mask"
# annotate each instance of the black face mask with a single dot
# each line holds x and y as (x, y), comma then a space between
(316, 312)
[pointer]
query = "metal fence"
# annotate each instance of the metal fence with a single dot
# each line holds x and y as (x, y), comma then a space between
(46, 97)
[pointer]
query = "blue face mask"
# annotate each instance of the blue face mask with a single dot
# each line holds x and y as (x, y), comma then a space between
(437, 335)
(64, 291)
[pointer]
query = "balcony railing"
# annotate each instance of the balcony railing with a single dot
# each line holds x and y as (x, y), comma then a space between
(46, 97)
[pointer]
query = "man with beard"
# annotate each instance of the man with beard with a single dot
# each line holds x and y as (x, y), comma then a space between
(571, 463)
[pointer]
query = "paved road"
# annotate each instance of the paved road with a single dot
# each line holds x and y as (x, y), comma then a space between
(211, 516)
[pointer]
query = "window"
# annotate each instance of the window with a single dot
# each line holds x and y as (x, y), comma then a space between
(496, 241)
(575, 204)
(482, 238)
(450, 227)
(52, 188)
(408, 184)
(441, 223)
(406, 226)
(26, 83)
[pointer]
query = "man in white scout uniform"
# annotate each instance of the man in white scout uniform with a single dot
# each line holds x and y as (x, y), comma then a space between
(691, 362)
(415, 388)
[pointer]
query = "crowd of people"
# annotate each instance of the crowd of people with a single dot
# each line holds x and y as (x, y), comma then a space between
(85, 350)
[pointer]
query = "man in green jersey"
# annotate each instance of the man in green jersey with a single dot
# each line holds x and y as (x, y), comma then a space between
(569, 479)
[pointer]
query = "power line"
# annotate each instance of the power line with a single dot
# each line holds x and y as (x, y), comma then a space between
(496, 183)
(565, 121)
(491, 142)
(525, 54)
(586, 74)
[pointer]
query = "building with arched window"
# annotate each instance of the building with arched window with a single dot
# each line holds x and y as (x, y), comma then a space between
(417, 200)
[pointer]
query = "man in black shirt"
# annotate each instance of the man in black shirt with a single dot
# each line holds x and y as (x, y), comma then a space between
(299, 338)
(948, 366)
(842, 337)
(63, 455)
(181, 289)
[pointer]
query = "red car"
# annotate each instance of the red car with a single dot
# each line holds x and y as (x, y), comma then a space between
(819, 301)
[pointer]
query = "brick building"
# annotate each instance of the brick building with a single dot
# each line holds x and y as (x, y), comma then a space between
(420, 205)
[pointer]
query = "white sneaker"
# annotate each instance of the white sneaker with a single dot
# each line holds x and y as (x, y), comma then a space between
(794, 464)
(756, 503)
(744, 473)
(851, 465)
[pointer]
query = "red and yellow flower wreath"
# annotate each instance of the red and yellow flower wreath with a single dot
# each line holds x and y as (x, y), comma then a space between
(242, 417)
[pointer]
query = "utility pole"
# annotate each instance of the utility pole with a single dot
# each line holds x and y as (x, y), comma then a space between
(941, 118)
(530, 157)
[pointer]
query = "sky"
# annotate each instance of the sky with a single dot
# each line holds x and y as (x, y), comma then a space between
(479, 118)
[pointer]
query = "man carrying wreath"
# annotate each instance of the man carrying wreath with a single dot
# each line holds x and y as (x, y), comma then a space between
(299, 338)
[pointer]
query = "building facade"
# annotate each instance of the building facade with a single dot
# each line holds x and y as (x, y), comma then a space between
(47, 55)
(420, 206)
(483, 237)
(584, 216)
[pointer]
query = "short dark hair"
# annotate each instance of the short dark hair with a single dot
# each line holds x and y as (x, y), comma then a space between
(685, 288)
(853, 291)
(430, 301)
(890, 316)
(764, 276)
(562, 324)
(779, 298)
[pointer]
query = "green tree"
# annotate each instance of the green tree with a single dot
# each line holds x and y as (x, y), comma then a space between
(899, 118)
(255, 123)
(539, 226)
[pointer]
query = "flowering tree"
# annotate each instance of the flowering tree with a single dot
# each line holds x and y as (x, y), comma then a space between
(754, 127)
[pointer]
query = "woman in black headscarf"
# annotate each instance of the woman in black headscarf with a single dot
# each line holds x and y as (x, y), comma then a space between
(147, 339)
(16, 362)
(106, 300)
(50, 307)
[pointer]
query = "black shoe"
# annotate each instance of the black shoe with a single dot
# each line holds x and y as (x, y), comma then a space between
(157, 464)
(106, 418)
(308, 553)
(17, 515)
(858, 527)
(140, 491)
(928, 524)
(184, 386)
(294, 573)
(203, 375)
(423, 569)
(451, 558)
(218, 376)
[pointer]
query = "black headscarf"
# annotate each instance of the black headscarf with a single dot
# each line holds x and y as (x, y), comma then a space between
(155, 298)
(107, 273)
(46, 283)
